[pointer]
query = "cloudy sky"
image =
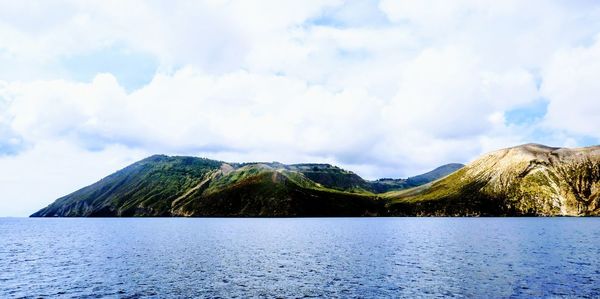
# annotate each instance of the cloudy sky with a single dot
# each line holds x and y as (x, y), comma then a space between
(383, 88)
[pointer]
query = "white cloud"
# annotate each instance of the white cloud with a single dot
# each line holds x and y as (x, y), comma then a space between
(195, 111)
(571, 82)
(386, 89)
(446, 101)
(286, 118)
(49, 170)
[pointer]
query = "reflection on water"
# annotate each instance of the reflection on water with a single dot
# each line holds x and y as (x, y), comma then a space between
(309, 257)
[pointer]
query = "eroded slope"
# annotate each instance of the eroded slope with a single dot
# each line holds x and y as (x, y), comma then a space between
(526, 180)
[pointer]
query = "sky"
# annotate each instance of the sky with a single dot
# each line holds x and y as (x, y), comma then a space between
(387, 88)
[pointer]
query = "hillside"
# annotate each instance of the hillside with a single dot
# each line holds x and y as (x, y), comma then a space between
(145, 188)
(387, 184)
(529, 179)
(188, 186)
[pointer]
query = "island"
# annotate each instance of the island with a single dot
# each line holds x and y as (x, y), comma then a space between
(526, 180)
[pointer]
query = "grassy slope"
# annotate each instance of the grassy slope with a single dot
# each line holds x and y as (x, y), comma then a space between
(260, 190)
(450, 196)
(433, 175)
(332, 177)
(188, 186)
(525, 180)
(146, 187)
(336, 178)
(388, 185)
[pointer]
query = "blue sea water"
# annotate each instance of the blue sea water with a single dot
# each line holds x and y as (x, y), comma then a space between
(302, 257)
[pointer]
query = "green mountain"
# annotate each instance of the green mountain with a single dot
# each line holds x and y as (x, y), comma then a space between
(387, 184)
(188, 186)
(433, 175)
(530, 179)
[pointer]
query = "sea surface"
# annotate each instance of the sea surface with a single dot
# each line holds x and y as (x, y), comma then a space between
(300, 257)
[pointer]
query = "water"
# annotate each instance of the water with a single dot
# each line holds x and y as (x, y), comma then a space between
(310, 257)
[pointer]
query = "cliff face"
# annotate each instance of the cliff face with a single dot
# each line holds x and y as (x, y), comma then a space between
(525, 180)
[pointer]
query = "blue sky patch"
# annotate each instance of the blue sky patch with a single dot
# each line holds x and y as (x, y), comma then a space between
(132, 69)
(10, 143)
(527, 114)
(353, 13)
(587, 140)
(353, 54)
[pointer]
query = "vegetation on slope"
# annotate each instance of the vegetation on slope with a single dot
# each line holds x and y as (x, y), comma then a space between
(145, 188)
(188, 186)
(263, 191)
(433, 175)
(387, 184)
(526, 180)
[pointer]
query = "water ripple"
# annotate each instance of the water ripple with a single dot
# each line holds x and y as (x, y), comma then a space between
(300, 258)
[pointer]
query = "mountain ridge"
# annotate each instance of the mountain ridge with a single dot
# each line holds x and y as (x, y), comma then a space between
(525, 180)
(162, 185)
(529, 179)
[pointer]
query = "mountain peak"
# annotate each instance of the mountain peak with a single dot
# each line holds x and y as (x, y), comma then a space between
(162, 185)
(529, 179)
(536, 147)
